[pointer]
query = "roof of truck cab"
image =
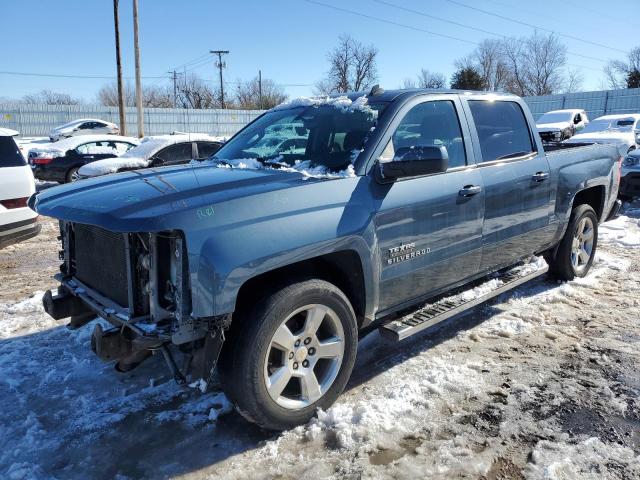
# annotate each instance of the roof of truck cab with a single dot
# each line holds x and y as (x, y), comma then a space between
(390, 95)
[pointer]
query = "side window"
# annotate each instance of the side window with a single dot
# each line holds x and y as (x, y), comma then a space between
(502, 129)
(85, 125)
(577, 119)
(429, 124)
(87, 148)
(206, 149)
(98, 148)
(180, 152)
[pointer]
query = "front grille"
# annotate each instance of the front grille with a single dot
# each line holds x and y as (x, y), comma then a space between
(100, 262)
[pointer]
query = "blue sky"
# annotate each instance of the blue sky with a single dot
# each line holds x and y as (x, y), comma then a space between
(286, 39)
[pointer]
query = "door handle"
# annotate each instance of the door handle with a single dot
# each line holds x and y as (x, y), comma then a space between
(540, 176)
(469, 190)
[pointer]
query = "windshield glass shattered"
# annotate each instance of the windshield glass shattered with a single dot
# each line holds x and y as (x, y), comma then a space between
(326, 133)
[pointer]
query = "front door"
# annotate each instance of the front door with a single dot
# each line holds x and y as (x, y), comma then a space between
(429, 228)
(516, 181)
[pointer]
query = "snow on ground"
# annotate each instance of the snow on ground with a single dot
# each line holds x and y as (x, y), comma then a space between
(541, 383)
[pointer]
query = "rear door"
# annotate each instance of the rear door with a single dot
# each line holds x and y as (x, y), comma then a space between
(174, 154)
(206, 149)
(429, 228)
(516, 181)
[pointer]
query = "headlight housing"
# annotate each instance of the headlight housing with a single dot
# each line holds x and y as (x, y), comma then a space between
(631, 161)
(557, 135)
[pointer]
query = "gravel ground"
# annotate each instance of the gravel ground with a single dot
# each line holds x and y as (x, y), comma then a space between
(541, 383)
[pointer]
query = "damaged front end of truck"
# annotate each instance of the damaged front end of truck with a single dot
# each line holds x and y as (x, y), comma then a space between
(139, 284)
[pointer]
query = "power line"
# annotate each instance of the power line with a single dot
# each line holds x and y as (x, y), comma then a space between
(59, 75)
(470, 27)
(402, 25)
(390, 22)
(536, 27)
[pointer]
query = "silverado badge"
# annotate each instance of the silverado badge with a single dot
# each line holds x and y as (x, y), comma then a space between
(406, 251)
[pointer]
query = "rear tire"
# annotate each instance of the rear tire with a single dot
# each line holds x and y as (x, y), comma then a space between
(577, 248)
(292, 353)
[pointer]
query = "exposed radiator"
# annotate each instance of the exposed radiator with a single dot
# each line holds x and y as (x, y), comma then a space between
(100, 262)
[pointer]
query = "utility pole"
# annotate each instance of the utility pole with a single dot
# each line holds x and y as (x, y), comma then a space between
(175, 88)
(136, 48)
(260, 89)
(121, 111)
(220, 64)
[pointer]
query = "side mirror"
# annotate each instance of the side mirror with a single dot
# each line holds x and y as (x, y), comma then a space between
(415, 161)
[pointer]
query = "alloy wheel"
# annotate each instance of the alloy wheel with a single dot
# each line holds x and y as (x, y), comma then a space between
(304, 356)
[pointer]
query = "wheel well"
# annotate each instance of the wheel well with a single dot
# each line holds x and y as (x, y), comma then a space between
(593, 196)
(343, 269)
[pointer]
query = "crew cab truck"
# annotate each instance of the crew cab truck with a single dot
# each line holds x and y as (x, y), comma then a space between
(269, 268)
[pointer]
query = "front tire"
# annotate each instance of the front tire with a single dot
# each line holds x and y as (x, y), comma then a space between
(292, 354)
(577, 248)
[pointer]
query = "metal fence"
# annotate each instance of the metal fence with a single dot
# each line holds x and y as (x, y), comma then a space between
(596, 104)
(37, 120)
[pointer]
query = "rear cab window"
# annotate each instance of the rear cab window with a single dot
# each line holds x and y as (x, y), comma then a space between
(503, 130)
(10, 155)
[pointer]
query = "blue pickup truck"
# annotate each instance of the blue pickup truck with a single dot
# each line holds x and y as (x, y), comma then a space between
(268, 264)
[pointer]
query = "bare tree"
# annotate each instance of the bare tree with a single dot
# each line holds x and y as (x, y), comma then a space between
(352, 67)
(427, 79)
(248, 94)
(488, 60)
(196, 93)
(573, 81)
(50, 97)
(152, 96)
(535, 65)
(108, 94)
(409, 83)
(617, 72)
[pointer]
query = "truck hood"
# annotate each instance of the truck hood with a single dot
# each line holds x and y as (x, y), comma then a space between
(552, 127)
(159, 199)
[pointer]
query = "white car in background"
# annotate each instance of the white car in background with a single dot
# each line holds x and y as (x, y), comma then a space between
(559, 125)
(157, 151)
(83, 126)
(17, 221)
(621, 130)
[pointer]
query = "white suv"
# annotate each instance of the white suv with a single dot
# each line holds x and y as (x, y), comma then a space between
(17, 221)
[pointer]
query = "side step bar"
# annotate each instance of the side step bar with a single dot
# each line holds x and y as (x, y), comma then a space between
(445, 308)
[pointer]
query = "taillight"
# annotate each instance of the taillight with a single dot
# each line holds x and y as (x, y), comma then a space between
(41, 161)
(14, 203)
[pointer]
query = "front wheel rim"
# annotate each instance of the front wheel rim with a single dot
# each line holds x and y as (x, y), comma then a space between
(304, 357)
(582, 245)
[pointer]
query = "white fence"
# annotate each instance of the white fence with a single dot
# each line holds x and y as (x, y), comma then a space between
(37, 120)
(596, 104)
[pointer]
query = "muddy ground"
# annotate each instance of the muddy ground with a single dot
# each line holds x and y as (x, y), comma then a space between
(543, 382)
